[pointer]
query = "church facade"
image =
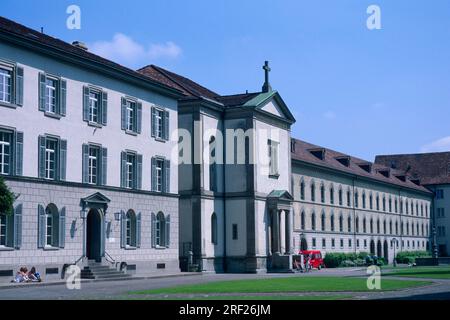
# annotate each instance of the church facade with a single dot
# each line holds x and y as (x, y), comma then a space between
(148, 172)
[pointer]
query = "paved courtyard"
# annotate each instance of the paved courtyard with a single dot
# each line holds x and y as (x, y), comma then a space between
(437, 289)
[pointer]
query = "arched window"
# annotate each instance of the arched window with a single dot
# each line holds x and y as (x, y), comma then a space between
(212, 164)
(341, 223)
(313, 192)
(302, 220)
(332, 194)
(356, 199)
(384, 203)
(349, 224)
(384, 226)
(341, 201)
(322, 221)
(364, 200)
(423, 233)
(349, 199)
(417, 229)
(130, 229)
(417, 209)
(406, 206)
(390, 227)
(401, 206)
(371, 225)
(421, 209)
(214, 228)
(407, 229)
(412, 208)
(396, 227)
(371, 201)
(378, 202)
(396, 205)
(160, 230)
(302, 189)
(332, 221)
(357, 224)
(51, 226)
(313, 221)
(322, 193)
(390, 204)
(364, 225)
(378, 226)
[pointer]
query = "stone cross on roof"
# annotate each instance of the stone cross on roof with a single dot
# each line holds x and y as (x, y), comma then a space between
(266, 87)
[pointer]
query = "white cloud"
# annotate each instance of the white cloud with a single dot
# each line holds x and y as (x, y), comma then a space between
(329, 115)
(439, 145)
(123, 49)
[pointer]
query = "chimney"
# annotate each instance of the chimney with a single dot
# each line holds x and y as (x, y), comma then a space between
(80, 45)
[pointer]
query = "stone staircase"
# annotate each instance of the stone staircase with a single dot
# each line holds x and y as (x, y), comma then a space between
(95, 270)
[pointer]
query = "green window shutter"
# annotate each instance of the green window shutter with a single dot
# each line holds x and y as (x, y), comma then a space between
(62, 160)
(62, 228)
(42, 80)
(19, 154)
(123, 229)
(104, 167)
(167, 176)
(123, 167)
(167, 232)
(85, 163)
(166, 133)
(123, 114)
(19, 86)
(86, 92)
(153, 230)
(153, 174)
(138, 229)
(18, 226)
(138, 117)
(62, 97)
(41, 165)
(41, 226)
(153, 122)
(139, 172)
(104, 108)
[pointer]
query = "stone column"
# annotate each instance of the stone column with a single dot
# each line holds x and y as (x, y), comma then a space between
(275, 232)
(282, 229)
(288, 231)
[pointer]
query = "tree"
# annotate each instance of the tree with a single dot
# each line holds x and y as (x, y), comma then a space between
(6, 199)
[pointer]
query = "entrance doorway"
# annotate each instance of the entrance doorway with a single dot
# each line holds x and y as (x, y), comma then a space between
(386, 251)
(94, 238)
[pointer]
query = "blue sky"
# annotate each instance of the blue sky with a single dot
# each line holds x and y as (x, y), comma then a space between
(363, 92)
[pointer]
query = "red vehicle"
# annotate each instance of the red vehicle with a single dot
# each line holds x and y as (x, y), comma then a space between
(315, 257)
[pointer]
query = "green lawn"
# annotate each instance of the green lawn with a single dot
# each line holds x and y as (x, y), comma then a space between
(441, 272)
(246, 297)
(288, 284)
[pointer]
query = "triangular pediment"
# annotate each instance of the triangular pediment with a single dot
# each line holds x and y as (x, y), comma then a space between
(280, 195)
(97, 198)
(271, 103)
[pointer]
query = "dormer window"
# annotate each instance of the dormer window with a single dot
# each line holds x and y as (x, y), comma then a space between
(345, 161)
(318, 153)
(385, 172)
(416, 181)
(366, 167)
(401, 177)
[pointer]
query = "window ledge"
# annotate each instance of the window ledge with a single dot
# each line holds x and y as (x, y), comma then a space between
(53, 115)
(50, 248)
(160, 140)
(274, 176)
(94, 124)
(8, 105)
(6, 249)
(131, 133)
(130, 248)
(160, 247)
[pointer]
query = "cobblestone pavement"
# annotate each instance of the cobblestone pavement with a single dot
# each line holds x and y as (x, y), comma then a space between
(438, 290)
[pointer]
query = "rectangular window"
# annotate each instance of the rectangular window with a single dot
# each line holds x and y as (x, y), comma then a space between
(159, 175)
(3, 231)
(51, 86)
(5, 152)
(94, 106)
(5, 84)
(357, 243)
(159, 123)
(324, 243)
(130, 115)
(235, 231)
(273, 157)
(50, 159)
(314, 242)
(342, 243)
(439, 194)
(332, 243)
(130, 170)
(349, 243)
(93, 165)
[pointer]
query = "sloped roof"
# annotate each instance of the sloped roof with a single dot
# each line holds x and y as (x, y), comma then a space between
(302, 152)
(430, 168)
(31, 36)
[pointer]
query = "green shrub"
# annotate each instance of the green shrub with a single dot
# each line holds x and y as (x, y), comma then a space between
(6, 198)
(409, 257)
(335, 259)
